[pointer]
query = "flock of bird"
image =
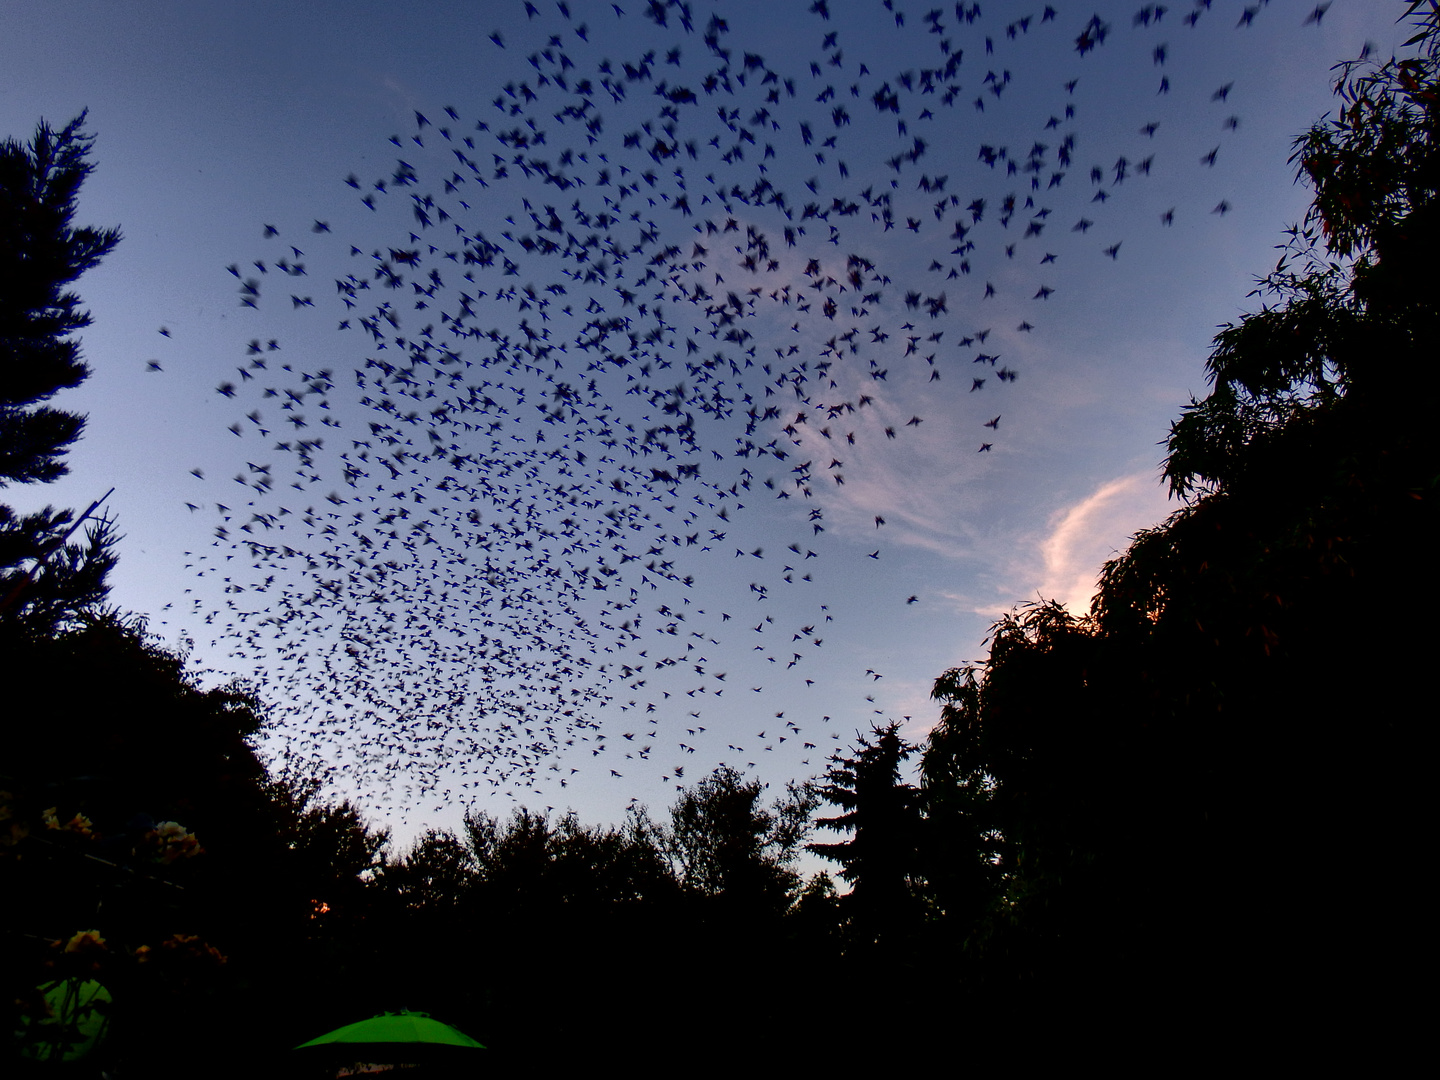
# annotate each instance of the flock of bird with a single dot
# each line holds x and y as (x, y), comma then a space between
(497, 529)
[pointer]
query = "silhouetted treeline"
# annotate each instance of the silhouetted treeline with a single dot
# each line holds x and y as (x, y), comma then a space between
(1200, 804)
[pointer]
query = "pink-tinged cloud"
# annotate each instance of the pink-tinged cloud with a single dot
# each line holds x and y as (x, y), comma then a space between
(1084, 536)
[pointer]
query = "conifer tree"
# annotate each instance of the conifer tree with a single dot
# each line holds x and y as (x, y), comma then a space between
(882, 815)
(41, 254)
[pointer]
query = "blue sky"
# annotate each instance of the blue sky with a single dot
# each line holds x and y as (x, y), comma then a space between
(213, 121)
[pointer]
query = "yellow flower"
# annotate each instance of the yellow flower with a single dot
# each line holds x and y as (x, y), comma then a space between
(85, 941)
(174, 842)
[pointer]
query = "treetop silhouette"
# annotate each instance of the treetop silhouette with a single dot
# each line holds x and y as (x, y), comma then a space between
(41, 253)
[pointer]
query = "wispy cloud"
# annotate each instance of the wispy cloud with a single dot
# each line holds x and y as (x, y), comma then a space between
(1083, 536)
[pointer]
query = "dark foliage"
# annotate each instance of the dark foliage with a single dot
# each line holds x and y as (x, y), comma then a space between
(41, 253)
(659, 938)
(45, 581)
(135, 808)
(1200, 798)
(881, 815)
(727, 846)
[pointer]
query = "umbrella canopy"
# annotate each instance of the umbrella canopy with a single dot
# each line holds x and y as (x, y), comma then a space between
(401, 1036)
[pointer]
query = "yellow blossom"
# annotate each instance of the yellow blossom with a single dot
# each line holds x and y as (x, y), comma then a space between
(173, 842)
(85, 941)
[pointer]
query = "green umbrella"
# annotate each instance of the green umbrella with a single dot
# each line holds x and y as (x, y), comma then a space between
(394, 1037)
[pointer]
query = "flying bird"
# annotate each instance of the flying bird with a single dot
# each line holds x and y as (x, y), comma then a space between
(560, 392)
